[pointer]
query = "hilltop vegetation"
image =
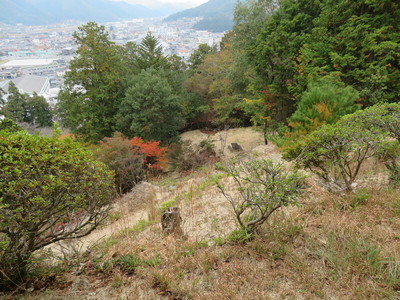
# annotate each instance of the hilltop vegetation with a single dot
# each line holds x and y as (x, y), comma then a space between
(320, 80)
(217, 15)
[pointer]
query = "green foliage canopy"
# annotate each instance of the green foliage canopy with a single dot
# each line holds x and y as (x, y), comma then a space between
(94, 86)
(336, 152)
(151, 109)
(323, 103)
(16, 107)
(50, 190)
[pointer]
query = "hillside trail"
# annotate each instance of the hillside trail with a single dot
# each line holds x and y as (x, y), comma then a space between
(205, 212)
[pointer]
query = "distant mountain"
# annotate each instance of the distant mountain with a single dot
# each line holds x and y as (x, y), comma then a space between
(217, 15)
(43, 12)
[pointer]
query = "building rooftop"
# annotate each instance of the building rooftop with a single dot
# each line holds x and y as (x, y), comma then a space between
(28, 84)
(27, 62)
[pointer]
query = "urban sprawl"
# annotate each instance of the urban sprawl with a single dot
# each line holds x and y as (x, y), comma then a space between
(36, 58)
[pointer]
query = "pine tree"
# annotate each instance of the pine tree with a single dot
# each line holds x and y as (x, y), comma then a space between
(149, 54)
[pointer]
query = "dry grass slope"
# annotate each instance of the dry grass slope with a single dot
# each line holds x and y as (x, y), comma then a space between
(330, 247)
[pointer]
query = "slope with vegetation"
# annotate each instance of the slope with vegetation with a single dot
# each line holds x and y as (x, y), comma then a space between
(217, 15)
(252, 227)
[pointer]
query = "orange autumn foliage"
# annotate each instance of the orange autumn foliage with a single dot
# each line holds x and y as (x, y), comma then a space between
(155, 156)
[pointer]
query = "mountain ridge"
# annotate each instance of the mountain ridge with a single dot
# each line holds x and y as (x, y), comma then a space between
(45, 12)
(217, 15)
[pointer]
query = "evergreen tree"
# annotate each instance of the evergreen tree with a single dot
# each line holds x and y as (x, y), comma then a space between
(16, 107)
(149, 54)
(94, 86)
(323, 103)
(40, 111)
(150, 109)
(199, 54)
(359, 41)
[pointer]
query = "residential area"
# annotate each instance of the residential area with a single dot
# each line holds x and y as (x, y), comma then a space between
(36, 58)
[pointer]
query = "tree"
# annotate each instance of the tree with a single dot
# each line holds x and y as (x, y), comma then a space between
(273, 52)
(383, 118)
(154, 154)
(262, 112)
(150, 109)
(198, 55)
(50, 190)
(94, 86)
(212, 82)
(40, 111)
(16, 107)
(261, 188)
(323, 103)
(129, 55)
(359, 42)
(149, 54)
(176, 64)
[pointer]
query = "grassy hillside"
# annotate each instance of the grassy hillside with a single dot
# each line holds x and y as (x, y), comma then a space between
(331, 246)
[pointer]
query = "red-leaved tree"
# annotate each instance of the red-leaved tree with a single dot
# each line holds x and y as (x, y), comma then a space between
(154, 154)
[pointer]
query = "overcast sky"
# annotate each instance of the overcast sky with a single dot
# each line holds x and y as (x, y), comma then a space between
(186, 3)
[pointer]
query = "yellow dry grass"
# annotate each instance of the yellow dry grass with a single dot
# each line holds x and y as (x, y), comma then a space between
(330, 247)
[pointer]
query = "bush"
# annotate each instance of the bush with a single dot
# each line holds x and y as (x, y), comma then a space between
(389, 153)
(9, 125)
(323, 103)
(240, 236)
(262, 187)
(130, 159)
(50, 190)
(383, 119)
(154, 154)
(124, 159)
(336, 152)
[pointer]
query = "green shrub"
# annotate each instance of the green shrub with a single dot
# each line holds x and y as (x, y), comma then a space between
(335, 153)
(123, 158)
(50, 190)
(167, 204)
(323, 103)
(129, 263)
(359, 198)
(9, 125)
(261, 187)
(240, 235)
(389, 153)
(383, 118)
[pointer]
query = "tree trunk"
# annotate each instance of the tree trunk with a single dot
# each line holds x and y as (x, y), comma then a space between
(171, 221)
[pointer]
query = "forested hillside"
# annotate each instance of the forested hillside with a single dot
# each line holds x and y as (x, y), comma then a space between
(217, 15)
(267, 167)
